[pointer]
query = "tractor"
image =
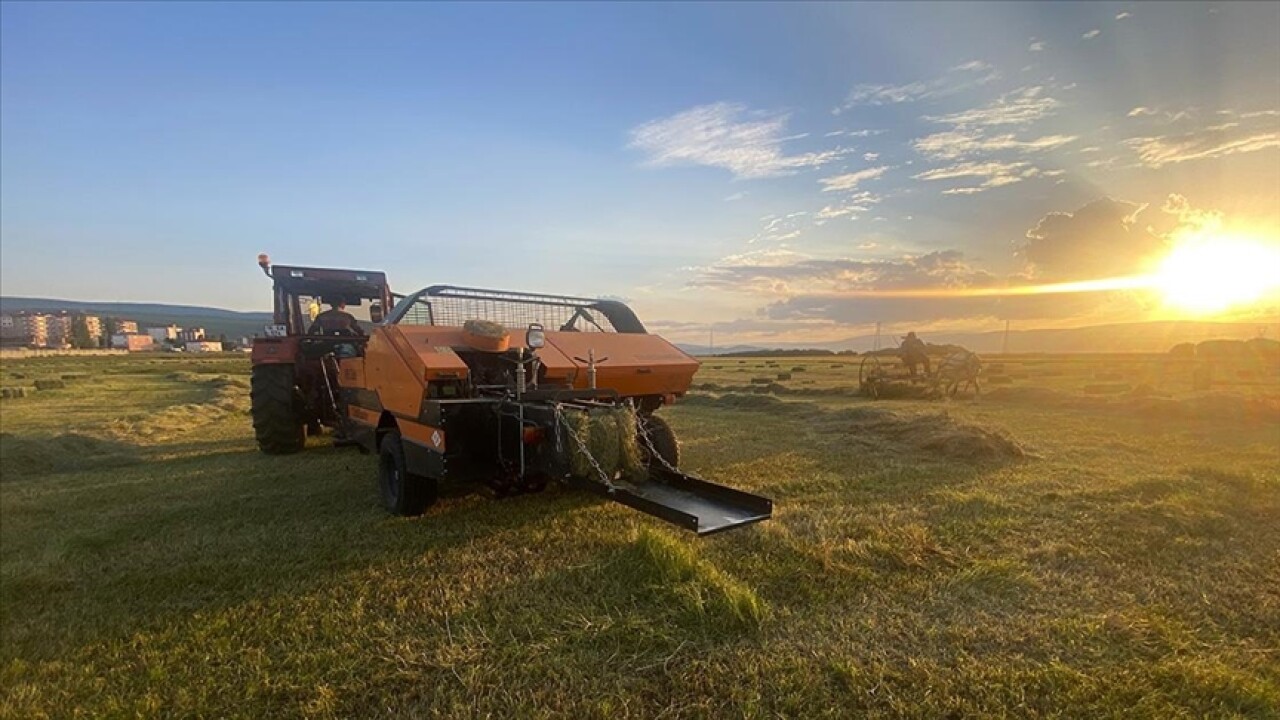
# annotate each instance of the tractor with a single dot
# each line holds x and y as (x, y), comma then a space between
(505, 390)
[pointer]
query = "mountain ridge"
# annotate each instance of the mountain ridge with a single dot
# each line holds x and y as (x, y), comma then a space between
(1151, 336)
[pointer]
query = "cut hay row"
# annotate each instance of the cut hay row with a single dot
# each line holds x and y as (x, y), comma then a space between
(887, 431)
(230, 397)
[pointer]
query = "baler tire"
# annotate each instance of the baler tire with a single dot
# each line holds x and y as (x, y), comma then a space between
(663, 439)
(277, 422)
(402, 492)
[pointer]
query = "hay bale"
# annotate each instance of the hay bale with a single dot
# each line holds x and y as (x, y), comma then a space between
(784, 376)
(485, 328)
(761, 381)
(13, 392)
(50, 384)
(576, 425)
(609, 435)
(798, 368)
(74, 376)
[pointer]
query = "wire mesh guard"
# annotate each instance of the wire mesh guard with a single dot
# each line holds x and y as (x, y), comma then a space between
(514, 310)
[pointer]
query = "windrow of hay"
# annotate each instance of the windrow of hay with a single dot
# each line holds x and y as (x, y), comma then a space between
(23, 456)
(889, 431)
(1142, 402)
(230, 397)
(609, 436)
(933, 433)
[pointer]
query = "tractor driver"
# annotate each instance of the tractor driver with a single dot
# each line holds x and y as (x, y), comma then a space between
(336, 320)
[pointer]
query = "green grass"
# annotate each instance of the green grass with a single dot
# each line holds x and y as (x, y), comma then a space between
(1130, 567)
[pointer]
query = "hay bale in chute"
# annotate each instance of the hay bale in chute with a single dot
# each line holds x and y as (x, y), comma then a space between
(607, 435)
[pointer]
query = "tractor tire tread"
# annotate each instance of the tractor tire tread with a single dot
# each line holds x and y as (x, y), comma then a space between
(277, 421)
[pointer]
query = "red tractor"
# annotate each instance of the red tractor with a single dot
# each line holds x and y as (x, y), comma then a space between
(295, 378)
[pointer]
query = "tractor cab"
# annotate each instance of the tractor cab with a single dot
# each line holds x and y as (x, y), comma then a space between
(294, 359)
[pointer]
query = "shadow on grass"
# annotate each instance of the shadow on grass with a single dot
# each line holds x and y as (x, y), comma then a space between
(138, 546)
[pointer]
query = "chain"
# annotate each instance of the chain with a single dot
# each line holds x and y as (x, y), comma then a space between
(582, 448)
(648, 442)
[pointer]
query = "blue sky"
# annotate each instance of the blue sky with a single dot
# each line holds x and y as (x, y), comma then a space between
(719, 164)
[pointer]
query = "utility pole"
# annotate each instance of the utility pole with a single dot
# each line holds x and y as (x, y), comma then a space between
(711, 340)
(1005, 349)
(877, 345)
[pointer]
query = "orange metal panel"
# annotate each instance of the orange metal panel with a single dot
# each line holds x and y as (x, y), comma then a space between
(397, 376)
(635, 364)
(351, 372)
(367, 417)
(431, 437)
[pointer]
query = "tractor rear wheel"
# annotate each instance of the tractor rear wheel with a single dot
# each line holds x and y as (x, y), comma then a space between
(277, 410)
(661, 440)
(402, 492)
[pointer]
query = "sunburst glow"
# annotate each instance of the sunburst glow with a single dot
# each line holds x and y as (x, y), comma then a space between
(1209, 275)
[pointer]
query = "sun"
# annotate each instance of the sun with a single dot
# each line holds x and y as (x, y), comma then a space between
(1210, 275)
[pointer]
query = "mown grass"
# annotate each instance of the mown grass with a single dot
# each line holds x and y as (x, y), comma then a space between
(1129, 567)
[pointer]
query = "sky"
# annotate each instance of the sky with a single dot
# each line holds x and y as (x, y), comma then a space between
(773, 172)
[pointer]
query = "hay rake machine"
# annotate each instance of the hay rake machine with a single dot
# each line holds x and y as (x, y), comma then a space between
(879, 377)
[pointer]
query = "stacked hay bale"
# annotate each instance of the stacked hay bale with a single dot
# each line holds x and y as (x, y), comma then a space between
(609, 436)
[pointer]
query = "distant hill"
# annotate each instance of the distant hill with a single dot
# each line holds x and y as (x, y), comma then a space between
(1129, 337)
(215, 321)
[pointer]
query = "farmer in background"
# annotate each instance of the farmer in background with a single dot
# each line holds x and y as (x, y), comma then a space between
(914, 353)
(336, 320)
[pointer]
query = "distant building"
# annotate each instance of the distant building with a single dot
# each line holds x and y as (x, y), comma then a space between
(133, 342)
(45, 330)
(126, 326)
(191, 334)
(203, 346)
(162, 334)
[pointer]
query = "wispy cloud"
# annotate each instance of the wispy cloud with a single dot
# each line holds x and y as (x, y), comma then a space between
(1091, 34)
(1155, 152)
(1036, 46)
(1229, 132)
(1123, 15)
(1018, 107)
(957, 79)
(993, 174)
(850, 181)
(853, 207)
(725, 135)
(957, 144)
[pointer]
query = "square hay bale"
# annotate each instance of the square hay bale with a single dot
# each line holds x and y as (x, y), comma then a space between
(784, 376)
(50, 384)
(798, 368)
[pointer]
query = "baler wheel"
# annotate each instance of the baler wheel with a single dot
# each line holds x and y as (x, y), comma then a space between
(402, 493)
(277, 421)
(662, 439)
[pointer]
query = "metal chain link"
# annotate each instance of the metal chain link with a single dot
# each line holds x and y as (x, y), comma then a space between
(648, 441)
(582, 447)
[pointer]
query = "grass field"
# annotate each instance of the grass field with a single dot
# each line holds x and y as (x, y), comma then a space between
(1041, 551)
